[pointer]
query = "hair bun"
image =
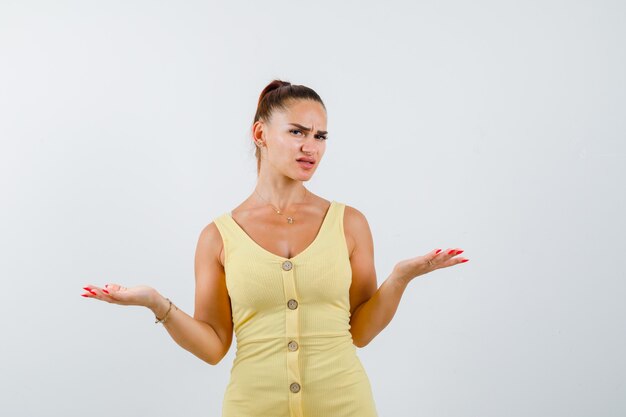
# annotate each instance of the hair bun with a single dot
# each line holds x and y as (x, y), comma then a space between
(274, 85)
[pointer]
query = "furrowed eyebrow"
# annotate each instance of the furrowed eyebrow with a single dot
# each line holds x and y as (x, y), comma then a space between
(306, 129)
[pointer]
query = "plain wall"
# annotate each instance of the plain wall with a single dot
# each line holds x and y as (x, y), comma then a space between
(497, 127)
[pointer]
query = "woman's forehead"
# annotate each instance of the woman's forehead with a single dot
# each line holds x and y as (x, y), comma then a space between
(303, 112)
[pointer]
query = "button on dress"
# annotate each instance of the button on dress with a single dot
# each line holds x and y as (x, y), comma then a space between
(295, 356)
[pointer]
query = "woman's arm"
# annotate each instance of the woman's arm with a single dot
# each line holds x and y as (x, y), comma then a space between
(208, 334)
(373, 315)
(193, 335)
(372, 309)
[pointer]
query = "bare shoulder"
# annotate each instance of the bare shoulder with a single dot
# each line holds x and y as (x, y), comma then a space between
(210, 242)
(355, 226)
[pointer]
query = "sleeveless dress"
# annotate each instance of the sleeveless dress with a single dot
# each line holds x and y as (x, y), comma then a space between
(291, 316)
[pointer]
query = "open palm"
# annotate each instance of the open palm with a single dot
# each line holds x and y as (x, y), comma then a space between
(140, 295)
(436, 259)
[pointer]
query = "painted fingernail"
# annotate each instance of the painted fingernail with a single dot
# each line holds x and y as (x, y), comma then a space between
(93, 292)
(106, 285)
(464, 260)
(438, 250)
(86, 288)
(105, 291)
(85, 295)
(459, 251)
(450, 252)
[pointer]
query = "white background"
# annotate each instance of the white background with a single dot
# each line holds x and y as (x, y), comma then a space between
(493, 126)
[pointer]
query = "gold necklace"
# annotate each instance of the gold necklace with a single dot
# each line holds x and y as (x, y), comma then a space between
(289, 219)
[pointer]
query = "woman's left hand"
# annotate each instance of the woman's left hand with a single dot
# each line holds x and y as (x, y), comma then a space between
(420, 265)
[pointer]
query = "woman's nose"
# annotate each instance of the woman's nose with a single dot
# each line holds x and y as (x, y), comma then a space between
(310, 145)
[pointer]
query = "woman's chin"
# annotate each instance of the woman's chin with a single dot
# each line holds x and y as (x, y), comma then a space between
(303, 176)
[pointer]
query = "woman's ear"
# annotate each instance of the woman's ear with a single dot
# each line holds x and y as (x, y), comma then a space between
(257, 133)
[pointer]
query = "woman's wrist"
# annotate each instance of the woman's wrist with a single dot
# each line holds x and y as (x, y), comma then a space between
(159, 305)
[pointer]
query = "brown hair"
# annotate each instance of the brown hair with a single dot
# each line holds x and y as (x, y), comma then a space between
(277, 95)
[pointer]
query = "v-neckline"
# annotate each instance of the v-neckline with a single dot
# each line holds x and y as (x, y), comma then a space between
(282, 258)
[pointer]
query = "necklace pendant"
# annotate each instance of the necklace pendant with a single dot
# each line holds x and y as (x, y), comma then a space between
(289, 220)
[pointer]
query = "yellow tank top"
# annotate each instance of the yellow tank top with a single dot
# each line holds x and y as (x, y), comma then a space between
(291, 317)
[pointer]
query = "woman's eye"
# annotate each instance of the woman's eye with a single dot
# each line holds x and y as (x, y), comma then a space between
(299, 131)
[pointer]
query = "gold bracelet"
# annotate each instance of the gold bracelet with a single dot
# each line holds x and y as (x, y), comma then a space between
(158, 320)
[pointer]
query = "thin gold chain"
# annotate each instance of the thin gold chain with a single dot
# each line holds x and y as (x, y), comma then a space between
(290, 219)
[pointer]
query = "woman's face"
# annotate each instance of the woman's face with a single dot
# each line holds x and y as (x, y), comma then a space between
(295, 133)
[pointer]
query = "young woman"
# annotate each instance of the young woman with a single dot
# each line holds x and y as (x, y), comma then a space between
(292, 274)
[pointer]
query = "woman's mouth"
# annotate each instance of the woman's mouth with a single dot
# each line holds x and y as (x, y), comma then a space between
(306, 164)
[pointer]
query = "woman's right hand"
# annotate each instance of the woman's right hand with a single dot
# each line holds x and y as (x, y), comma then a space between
(140, 295)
